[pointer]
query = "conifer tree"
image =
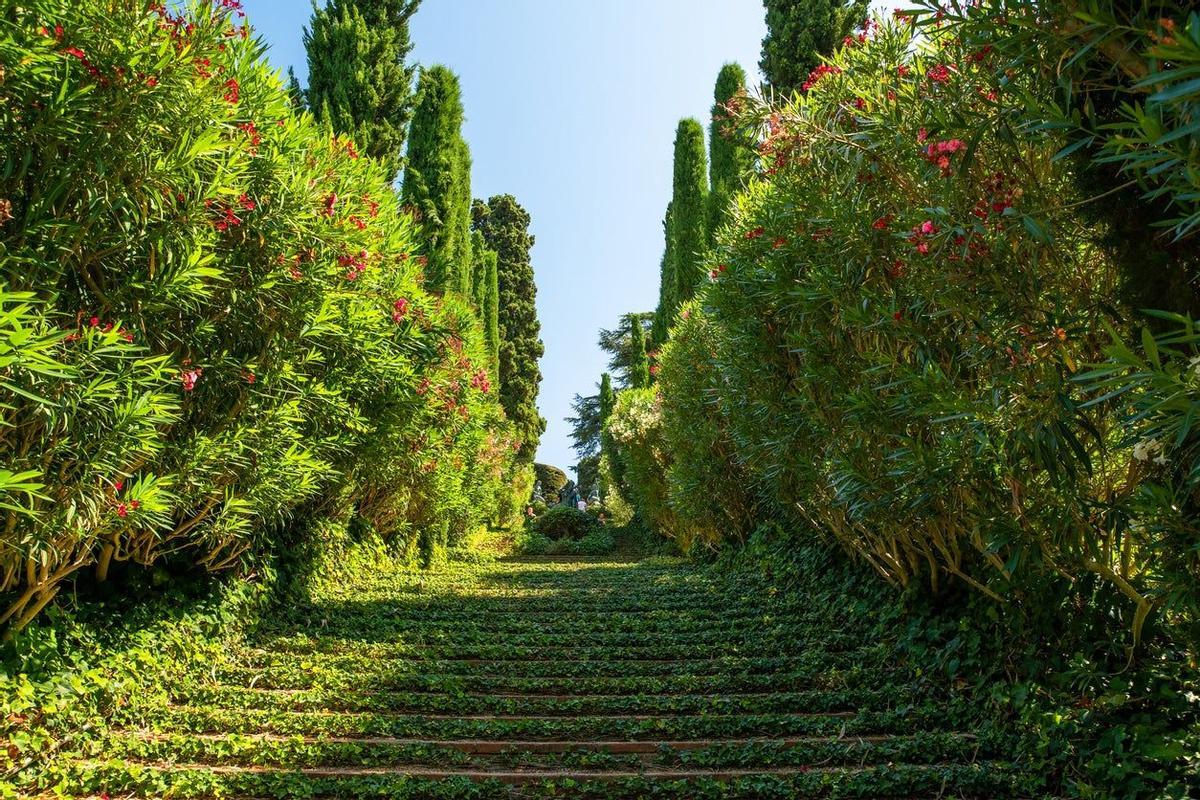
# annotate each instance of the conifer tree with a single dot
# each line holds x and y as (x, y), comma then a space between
(488, 293)
(799, 32)
(478, 268)
(608, 450)
(295, 92)
(689, 212)
(505, 228)
(666, 287)
(730, 153)
(639, 371)
(437, 179)
(358, 80)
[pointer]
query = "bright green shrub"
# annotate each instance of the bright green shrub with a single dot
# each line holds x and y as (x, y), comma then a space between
(563, 522)
(708, 489)
(215, 308)
(901, 312)
(636, 430)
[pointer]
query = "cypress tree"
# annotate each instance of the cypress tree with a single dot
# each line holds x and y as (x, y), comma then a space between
(689, 212)
(799, 32)
(358, 81)
(478, 269)
(608, 448)
(667, 303)
(639, 371)
(505, 228)
(437, 179)
(730, 154)
(294, 92)
(460, 222)
(490, 313)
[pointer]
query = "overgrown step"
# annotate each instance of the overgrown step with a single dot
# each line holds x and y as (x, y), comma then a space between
(549, 678)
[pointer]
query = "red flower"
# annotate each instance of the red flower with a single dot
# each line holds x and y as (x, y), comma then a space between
(330, 202)
(817, 74)
(247, 203)
(189, 378)
(94, 322)
(754, 234)
(233, 91)
(902, 71)
(399, 309)
(939, 73)
(119, 485)
(779, 242)
(122, 510)
(882, 223)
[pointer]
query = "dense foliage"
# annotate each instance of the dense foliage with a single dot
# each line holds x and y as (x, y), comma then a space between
(731, 151)
(505, 227)
(437, 180)
(913, 343)
(689, 213)
(358, 82)
(212, 318)
(800, 33)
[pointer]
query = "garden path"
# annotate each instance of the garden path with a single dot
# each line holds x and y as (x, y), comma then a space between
(551, 677)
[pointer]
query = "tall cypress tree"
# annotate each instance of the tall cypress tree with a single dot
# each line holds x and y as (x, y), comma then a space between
(730, 153)
(485, 292)
(639, 370)
(799, 32)
(505, 228)
(460, 221)
(358, 81)
(689, 211)
(437, 179)
(667, 302)
(478, 268)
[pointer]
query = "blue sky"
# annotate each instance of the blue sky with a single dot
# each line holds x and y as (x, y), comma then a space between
(571, 106)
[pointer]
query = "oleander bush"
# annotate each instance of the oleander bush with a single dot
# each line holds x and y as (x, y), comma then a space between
(212, 316)
(899, 321)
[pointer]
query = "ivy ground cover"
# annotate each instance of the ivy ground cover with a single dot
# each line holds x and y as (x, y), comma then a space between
(545, 677)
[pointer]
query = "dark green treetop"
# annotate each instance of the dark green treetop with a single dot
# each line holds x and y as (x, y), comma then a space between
(799, 32)
(731, 153)
(505, 228)
(358, 80)
(437, 179)
(689, 212)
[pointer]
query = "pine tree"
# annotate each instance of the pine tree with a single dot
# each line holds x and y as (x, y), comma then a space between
(505, 228)
(689, 212)
(639, 373)
(437, 179)
(730, 153)
(358, 81)
(799, 32)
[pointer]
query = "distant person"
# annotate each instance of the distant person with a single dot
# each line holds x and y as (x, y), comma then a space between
(529, 511)
(600, 518)
(582, 504)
